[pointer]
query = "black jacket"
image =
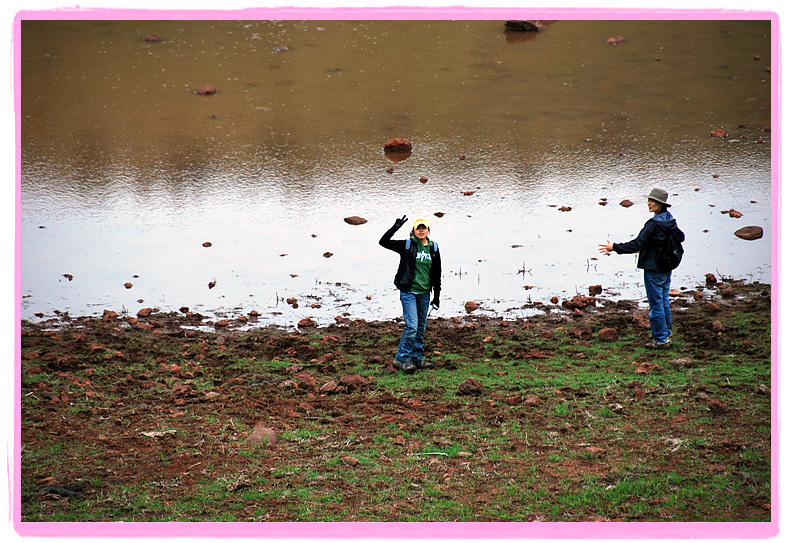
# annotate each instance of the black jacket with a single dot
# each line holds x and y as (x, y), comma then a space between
(407, 250)
(653, 232)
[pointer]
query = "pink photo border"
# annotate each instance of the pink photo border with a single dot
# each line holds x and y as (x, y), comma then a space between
(392, 531)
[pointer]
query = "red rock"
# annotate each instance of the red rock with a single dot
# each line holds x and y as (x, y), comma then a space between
(595, 289)
(749, 233)
(626, 203)
(109, 315)
(349, 460)
(328, 388)
(470, 387)
(355, 220)
(153, 38)
(565, 208)
(145, 312)
(471, 306)
(423, 179)
(206, 90)
(398, 145)
(206, 244)
(717, 407)
(354, 382)
(718, 133)
(735, 214)
(608, 334)
(647, 367)
(615, 40)
(127, 285)
(306, 322)
(328, 254)
(261, 435)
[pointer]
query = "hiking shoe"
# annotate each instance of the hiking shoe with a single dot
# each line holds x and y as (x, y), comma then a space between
(405, 367)
(425, 365)
(654, 345)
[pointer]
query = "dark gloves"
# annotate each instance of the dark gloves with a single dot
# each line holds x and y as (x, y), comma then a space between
(400, 222)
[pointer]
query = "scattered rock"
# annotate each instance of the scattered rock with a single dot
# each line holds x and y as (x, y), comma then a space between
(127, 285)
(626, 203)
(354, 220)
(261, 435)
(608, 334)
(718, 133)
(470, 387)
(717, 407)
(647, 367)
(578, 302)
(712, 307)
(524, 26)
(354, 382)
(595, 289)
(328, 388)
(307, 322)
(718, 326)
(565, 208)
(710, 279)
(206, 244)
(328, 254)
(153, 38)
(206, 90)
(615, 40)
(471, 306)
(749, 233)
(145, 312)
(735, 214)
(349, 460)
(683, 363)
(398, 145)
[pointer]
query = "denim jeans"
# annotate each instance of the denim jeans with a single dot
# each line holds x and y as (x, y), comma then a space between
(415, 314)
(657, 287)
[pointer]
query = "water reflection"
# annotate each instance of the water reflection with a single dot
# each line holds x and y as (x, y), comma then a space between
(129, 172)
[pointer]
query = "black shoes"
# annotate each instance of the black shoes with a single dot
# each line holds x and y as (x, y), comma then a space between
(412, 366)
(425, 365)
(405, 367)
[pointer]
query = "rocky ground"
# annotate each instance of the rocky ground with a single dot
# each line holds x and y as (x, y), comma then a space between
(175, 400)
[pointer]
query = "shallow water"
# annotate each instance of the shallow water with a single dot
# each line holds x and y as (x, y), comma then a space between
(126, 172)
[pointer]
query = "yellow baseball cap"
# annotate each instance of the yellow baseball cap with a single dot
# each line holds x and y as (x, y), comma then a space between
(420, 221)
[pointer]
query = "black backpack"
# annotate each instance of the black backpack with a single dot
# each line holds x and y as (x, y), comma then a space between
(669, 251)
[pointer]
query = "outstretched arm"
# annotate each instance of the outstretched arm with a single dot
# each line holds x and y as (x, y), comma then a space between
(386, 240)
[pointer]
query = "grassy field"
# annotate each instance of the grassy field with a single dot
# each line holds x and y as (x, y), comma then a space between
(538, 419)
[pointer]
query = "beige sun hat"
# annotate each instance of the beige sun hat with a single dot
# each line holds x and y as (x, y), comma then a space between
(659, 195)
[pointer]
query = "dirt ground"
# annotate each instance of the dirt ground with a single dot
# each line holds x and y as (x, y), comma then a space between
(133, 389)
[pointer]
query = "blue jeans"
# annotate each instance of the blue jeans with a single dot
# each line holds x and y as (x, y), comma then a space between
(657, 287)
(415, 314)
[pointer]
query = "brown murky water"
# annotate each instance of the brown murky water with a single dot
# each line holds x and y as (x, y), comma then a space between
(126, 171)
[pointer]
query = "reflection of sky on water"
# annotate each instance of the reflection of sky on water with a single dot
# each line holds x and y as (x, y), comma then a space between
(126, 176)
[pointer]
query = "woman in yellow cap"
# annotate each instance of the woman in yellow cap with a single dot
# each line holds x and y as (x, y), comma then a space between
(419, 273)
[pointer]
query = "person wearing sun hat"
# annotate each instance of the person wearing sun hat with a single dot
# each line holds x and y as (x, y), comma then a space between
(657, 280)
(419, 275)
